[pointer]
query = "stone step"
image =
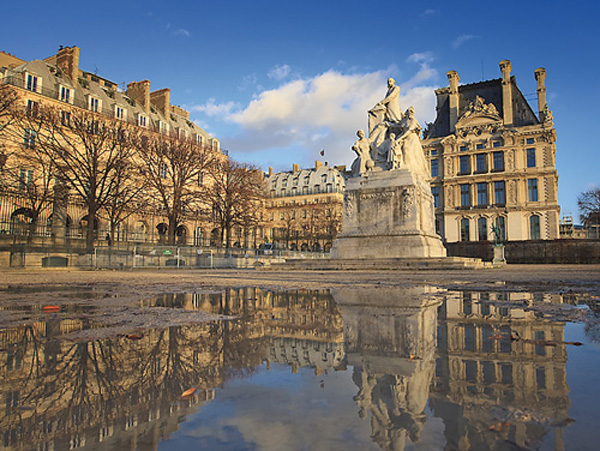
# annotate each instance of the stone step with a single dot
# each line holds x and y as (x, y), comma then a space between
(439, 263)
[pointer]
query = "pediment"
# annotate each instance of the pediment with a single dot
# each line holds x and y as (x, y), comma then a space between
(477, 119)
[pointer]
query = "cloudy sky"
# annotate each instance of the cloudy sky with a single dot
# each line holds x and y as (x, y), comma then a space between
(279, 81)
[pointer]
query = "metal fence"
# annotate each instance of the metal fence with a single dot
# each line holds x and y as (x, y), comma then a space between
(143, 256)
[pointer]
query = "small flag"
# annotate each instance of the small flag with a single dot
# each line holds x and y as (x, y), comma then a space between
(323, 153)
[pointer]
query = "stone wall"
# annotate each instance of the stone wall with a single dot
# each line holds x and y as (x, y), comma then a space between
(544, 251)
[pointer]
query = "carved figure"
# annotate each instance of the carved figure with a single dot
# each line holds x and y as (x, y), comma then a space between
(394, 156)
(387, 109)
(412, 151)
(363, 161)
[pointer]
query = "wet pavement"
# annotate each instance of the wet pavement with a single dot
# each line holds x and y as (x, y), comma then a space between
(415, 367)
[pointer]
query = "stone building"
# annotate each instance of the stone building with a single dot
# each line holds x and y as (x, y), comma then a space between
(59, 82)
(304, 208)
(492, 161)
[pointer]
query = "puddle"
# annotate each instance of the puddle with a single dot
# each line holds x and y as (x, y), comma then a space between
(346, 369)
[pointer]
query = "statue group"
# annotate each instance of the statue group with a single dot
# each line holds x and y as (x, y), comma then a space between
(394, 140)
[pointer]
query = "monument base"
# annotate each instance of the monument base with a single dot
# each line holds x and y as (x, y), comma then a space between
(388, 214)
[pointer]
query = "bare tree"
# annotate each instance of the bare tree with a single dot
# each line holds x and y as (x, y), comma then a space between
(589, 206)
(128, 196)
(236, 196)
(174, 170)
(87, 150)
(28, 171)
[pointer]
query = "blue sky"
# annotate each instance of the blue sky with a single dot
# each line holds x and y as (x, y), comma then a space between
(278, 81)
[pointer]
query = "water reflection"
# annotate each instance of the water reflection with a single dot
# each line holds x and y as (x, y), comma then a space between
(416, 355)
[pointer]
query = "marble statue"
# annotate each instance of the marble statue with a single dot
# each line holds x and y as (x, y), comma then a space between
(412, 151)
(363, 161)
(387, 110)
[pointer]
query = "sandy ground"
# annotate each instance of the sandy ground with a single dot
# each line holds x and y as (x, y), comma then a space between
(115, 295)
(141, 282)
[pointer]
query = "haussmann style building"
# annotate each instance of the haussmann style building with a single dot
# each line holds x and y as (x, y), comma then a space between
(492, 161)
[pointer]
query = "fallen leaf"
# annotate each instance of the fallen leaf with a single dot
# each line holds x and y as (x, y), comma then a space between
(499, 426)
(188, 392)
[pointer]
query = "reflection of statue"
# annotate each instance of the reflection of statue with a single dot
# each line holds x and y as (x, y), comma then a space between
(363, 161)
(412, 151)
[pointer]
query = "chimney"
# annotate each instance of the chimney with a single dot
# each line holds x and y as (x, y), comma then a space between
(318, 164)
(67, 60)
(540, 76)
(453, 79)
(270, 171)
(507, 109)
(161, 100)
(295, 168)
(139, 91)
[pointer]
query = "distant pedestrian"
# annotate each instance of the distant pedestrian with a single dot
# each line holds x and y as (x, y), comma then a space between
(108, 240)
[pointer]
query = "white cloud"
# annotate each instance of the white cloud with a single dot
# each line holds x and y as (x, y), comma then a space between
(423, 57)
(303, 116)
(461, 40)
(213, 109)
(182, 32)
(279, 72)
(430, 12)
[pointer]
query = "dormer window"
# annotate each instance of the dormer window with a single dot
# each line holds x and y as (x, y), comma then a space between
(199, 140)
(33, 83)
(142, 120)
(163, 127)
(93, 104)
(65, 94)
(119, 112)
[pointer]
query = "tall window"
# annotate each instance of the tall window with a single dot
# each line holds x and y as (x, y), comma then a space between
(501, 224)
(532, 185)
(119, 112)
(435, 167)
(464, 229)
(142, 120)
(465, 195)
(482, 196)
(531, 158)
(534, 227)
(498, 161)
(499, 193)
(65, 94)
(481, 162)
(32, 82)
(464, 164)
(32, 107)
(435, 190)
(29, 138)
(482, 229)
(94, 104)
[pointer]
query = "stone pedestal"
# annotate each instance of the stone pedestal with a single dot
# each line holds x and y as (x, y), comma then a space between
(388, 214)
(499, 259)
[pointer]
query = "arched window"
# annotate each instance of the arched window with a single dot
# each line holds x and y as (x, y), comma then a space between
(482, 229)
(464, 229)
(534, 227)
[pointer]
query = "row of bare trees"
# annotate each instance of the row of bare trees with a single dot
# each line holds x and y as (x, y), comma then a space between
(115, 169)
(312, 223)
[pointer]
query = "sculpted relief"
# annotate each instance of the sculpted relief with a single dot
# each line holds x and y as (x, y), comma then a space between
(394, 140)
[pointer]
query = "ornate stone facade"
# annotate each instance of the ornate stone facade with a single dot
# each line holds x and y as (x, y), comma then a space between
(492, 161)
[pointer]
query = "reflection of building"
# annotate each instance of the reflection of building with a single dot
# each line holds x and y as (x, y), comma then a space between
(493, 161)
(390, 341)
(483, 376)
(58, 82)
(126, 394)
(304, 210)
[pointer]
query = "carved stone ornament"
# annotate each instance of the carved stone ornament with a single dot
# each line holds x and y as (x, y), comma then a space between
(408, 199)
(349, 205)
